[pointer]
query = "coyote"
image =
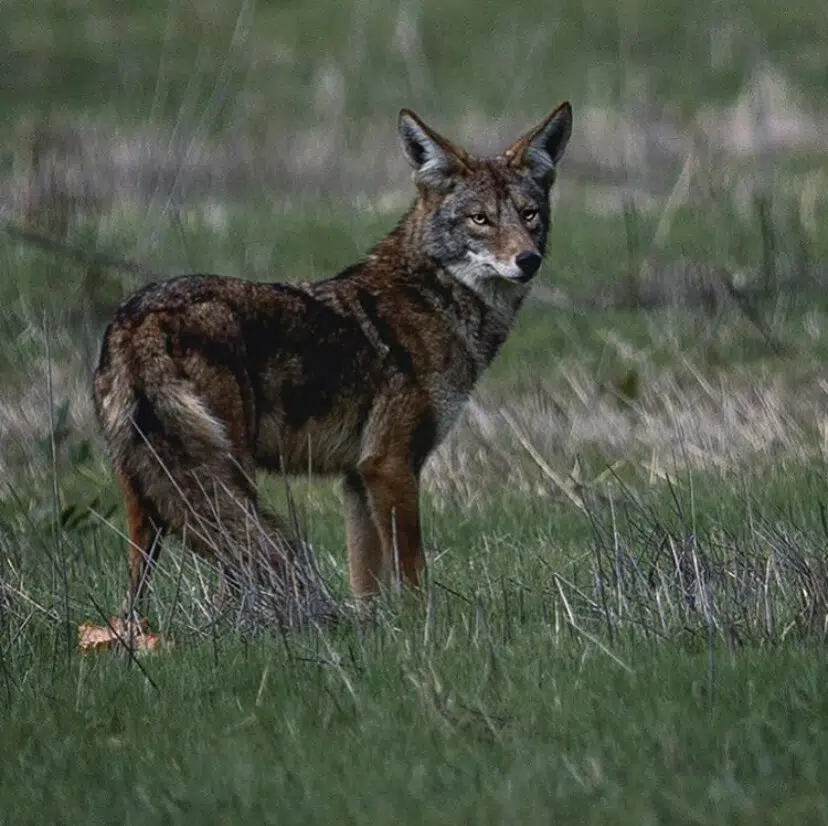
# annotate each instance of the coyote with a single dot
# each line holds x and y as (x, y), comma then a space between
(202, 379)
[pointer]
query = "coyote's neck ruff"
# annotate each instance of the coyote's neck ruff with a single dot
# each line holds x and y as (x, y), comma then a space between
(203, 379)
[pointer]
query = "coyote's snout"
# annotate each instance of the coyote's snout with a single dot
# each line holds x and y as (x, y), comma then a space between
(202, 380)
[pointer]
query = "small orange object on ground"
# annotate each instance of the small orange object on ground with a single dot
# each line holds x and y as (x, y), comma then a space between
(119, 633)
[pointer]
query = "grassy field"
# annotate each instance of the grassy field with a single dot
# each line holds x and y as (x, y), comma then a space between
(627, 605)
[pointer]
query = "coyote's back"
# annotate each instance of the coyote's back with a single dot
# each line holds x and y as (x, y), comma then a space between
(202, 380)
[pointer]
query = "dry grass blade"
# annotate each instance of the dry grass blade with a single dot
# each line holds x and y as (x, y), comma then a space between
(566, 487)
(570, 614)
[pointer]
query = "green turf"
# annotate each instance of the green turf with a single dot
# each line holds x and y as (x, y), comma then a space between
(526, 732)
(167, 60)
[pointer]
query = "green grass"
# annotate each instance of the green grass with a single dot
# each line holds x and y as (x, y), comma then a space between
(625, 620)
(488, 705)
(525, 732)
(163, 60)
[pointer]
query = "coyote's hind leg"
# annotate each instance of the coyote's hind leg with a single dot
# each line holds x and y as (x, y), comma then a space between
(146, 530)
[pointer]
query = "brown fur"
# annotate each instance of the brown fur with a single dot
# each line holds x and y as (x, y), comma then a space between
(202, 380)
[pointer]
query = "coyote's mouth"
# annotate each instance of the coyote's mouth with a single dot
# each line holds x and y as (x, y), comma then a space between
(482, 266)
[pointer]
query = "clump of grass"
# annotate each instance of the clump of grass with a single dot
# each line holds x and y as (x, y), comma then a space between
(657, 575)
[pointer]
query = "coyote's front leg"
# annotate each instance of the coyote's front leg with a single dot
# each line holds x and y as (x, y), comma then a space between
(364, 546)
(392, 490)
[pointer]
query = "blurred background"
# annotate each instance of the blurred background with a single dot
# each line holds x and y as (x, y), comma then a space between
(683, 296)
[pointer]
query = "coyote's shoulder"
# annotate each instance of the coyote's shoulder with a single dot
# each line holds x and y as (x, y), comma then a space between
(361, 374)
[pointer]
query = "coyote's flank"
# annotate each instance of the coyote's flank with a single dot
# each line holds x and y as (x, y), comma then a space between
(202, 379)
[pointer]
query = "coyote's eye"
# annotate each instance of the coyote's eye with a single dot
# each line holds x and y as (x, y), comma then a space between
(529, 215)
(479, 218)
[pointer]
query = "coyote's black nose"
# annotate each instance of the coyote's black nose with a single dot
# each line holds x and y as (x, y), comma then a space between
(528, 263)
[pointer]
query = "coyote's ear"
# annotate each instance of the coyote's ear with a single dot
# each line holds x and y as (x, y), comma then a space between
(540, 149)
(433, 157)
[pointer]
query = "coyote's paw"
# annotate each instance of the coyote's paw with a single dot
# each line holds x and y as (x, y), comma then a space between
(134, 634)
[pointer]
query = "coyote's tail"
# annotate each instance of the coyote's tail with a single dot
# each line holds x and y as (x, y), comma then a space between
(138, 391)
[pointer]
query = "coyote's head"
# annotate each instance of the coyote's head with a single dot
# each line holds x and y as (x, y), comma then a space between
(485, 220)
